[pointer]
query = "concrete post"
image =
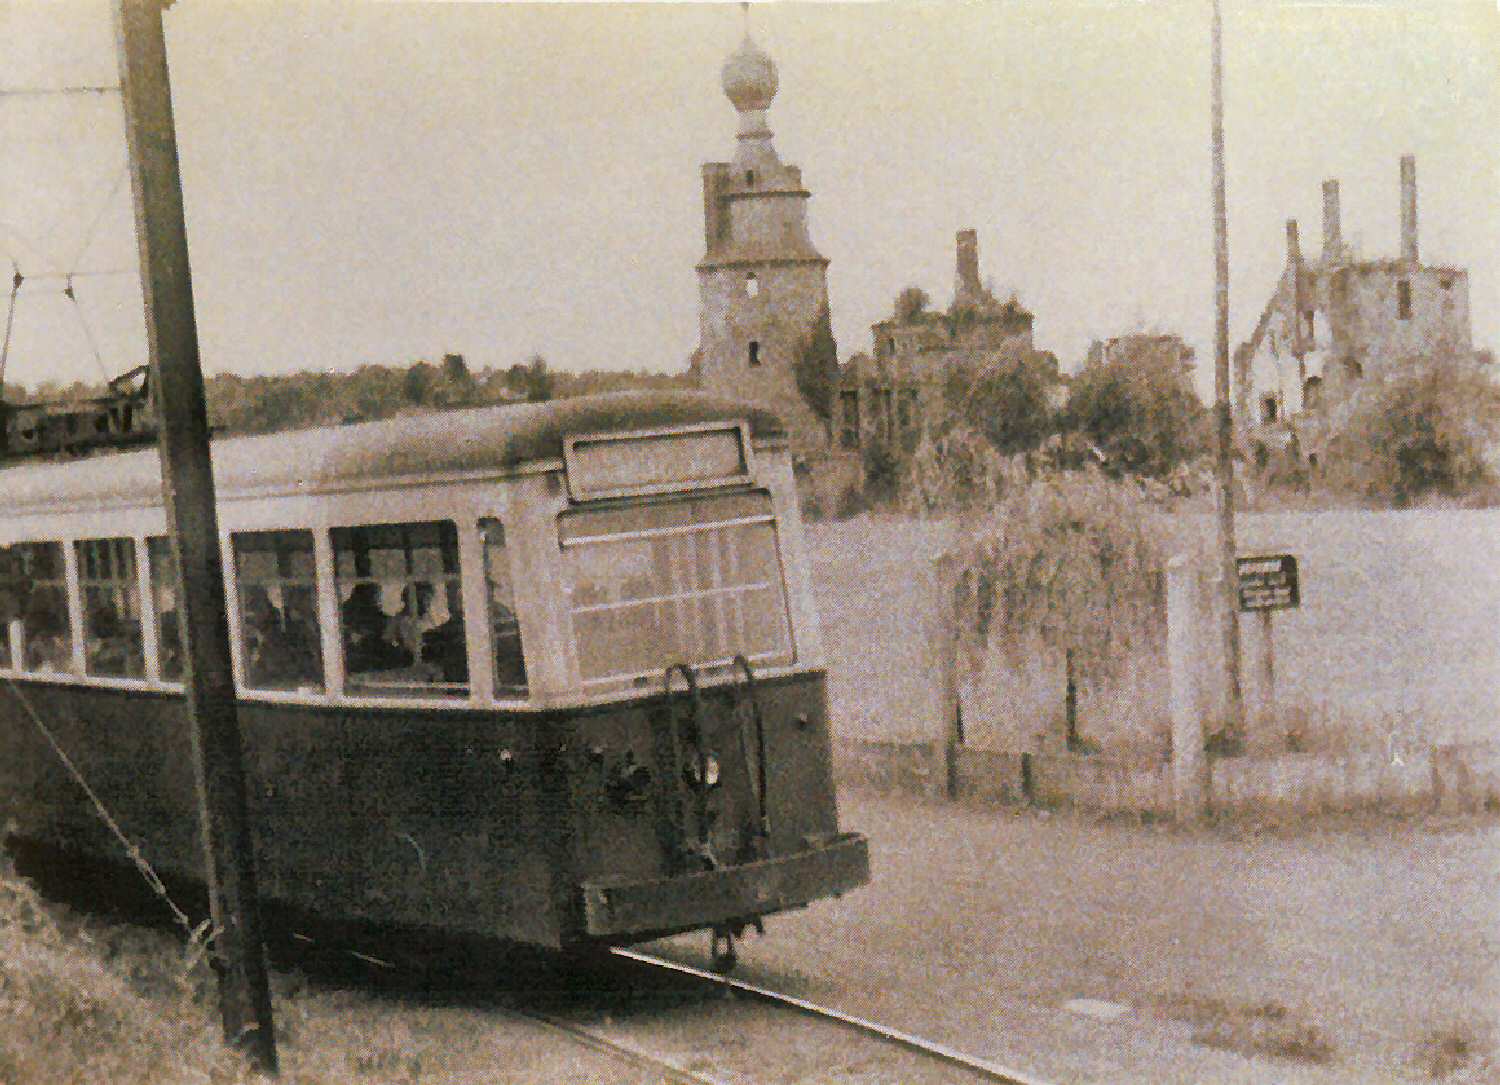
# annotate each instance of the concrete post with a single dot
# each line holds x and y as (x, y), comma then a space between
(942, 644)
(1189, 790)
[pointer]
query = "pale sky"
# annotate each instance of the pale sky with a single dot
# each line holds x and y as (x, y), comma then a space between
(379, 183)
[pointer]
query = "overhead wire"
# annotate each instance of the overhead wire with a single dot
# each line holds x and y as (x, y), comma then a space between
(132, 849)
(88, 235)
(87, 332)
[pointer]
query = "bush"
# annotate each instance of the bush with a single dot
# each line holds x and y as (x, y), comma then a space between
(1074, 561)
(1141, 414)
(958, 472)
(1423, 435)
(883, 470)
(1006, 397)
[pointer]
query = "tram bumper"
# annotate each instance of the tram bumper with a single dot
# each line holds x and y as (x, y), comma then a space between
(830, 867)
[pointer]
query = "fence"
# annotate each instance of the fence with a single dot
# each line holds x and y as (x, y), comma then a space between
(1350, 733)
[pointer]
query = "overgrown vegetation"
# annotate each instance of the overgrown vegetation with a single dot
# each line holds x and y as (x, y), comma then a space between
(1424, 435)
(1007, 398)
(1072, 561)
(816, 368)
(1141, 413)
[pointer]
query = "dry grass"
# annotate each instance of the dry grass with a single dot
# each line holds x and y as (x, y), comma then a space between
(1458, 1053)
(78, 1008)
(1266, 1028)
(83, 1001)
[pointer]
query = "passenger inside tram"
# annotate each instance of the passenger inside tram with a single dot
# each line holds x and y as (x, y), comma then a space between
(48, 642)
(367, 647)
(443, 647)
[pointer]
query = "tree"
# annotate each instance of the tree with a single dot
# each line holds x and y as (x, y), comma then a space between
(816, 368)
(537, 382)
(418, 383)
(1005, 395)
(1140, 412)
(911, 303)
(1426, 433)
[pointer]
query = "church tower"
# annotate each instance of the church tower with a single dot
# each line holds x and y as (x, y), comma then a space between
(763, 287)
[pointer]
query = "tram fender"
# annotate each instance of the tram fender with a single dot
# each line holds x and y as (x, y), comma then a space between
(617, 906)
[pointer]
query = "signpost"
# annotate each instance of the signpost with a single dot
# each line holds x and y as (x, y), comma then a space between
(1268, 583)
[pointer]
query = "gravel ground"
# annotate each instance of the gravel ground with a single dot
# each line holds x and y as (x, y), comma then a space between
(1361, 952)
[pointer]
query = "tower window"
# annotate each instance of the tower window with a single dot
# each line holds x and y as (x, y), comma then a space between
(753, 356)
(1403, 299)
(752, 285)
(1309, 325)
(1312, 393)
(749, 177)
(1268, 409)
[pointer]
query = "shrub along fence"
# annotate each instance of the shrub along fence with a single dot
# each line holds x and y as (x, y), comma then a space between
(954, 739)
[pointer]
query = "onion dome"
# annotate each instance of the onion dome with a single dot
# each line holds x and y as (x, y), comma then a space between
(749, 78)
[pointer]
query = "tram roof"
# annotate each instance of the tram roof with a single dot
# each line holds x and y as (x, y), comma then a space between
(465, 443)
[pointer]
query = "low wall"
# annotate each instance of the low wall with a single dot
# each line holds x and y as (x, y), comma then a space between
(1457, 777)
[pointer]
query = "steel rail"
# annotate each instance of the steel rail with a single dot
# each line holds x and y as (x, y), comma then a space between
(589, 1038)
(990, 1070)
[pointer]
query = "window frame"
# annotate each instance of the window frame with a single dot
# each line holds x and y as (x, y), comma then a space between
(448, 693)
(19, 643)
(617, 683)
(131, 583)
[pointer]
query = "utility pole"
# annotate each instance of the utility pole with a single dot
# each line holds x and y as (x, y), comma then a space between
(1228, 602)
(188, 489)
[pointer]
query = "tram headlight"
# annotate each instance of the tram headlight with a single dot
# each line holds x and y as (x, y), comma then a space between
(710, 771)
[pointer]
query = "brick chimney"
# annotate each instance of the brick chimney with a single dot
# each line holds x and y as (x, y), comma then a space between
(1293, 247)
(1333, 242)
(966, 288)
(1409, 209)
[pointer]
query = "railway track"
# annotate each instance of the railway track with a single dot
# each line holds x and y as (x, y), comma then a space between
(982, 1068)
(692, 1074)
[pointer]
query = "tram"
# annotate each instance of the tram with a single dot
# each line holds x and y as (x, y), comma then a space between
(544, 672)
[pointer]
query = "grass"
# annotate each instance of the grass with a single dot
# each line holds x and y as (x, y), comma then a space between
(1457, 1053)
(1266, 1028)
(79, 1006)
(84, 1000)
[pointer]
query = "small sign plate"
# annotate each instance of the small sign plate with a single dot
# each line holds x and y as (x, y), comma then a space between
(1268, 582)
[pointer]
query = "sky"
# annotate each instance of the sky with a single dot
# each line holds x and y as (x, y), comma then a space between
(384, 182)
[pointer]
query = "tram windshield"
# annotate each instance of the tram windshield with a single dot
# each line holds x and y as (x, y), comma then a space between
(693, 580)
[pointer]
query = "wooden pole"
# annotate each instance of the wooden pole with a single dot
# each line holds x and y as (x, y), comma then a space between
(1234, 707)
(188, 489)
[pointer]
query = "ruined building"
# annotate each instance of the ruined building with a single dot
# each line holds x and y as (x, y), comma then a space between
(1340, 320)
(888, 394)
(763, 287)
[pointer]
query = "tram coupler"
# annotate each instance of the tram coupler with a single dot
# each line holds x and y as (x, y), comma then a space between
(721, 952)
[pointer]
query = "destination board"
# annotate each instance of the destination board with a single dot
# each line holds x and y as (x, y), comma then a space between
(634, 464)
(1268, 582)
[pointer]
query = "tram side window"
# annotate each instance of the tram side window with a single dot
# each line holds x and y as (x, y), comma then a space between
(696, 581)
(44, 636)
(505, 631)
(401, 609)
(276, 572)
(111, 608)
(168, 617)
